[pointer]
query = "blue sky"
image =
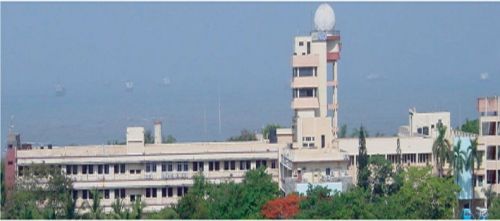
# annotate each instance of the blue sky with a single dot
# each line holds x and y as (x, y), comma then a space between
(180, 56)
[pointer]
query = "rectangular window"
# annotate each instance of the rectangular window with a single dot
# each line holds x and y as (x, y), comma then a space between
(99, 169)
(106, 194)
(186, 166)
(170, 191)
(273, 164)
(301, 43)
(217, 165)
(154, 191)
(163, 167)
(327, 171)
(132, 198)
(153, 167)
(117, 168)
(242, 165)
(84, 169)
(68, 169)
(322, 141)
(179, 191)
(186, 190)
(75, 194)
(148, 192)
(117, 193)
(106, 169)
(201, 166)
(491, 152)
(195, 166)
(308, 47)
(491, 177)
(91, 169)
(148, 169)
(210, 166)
(84, 194)
(480, 180)
(233, 165)
(122, 168)
(179, 166)
(122, 193)
(351, 159)
(489, 128)
(249, 164)
(75, 169)
(164, 192)
(257, 164)
(131, 171)
(170, 167)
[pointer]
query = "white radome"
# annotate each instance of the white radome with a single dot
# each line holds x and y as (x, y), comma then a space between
(324, 18)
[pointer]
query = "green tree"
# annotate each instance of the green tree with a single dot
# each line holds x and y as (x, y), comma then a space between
(138, 209)
(441, 149)
(424, 196)
(258, 188)
(494, 209)
(363, 171)
(245, 135)
(353, 204)
(94, 206)
(268, 128)
(343, 131)
(193, 205)
(473, 160)
(490, 194)
(165, 213)
(55, 195)
(148, 137)
(457, 160)
(381, 175)
(225, 201)
(316, 204)
(169, 139)
(118, 210)
(471, 126)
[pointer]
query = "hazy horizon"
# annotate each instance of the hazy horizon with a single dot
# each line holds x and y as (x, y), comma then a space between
(80, 73)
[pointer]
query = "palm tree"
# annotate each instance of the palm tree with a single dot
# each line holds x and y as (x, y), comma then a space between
(441, 149)
(473, 160)
(490, 194)
(457, 160)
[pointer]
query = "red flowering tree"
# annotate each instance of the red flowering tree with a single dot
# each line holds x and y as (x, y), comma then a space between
(281, 208)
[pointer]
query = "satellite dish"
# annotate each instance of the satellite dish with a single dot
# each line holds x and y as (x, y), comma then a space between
(324, 18)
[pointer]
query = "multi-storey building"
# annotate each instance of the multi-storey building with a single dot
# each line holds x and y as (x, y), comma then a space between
(489, 142)
(311, 146)
(159, 174)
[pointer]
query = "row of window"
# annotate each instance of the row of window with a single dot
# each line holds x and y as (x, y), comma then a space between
(121, 193)
(407, 158)
(151, 167)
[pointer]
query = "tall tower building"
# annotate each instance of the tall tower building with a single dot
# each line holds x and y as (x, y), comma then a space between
(311, 156)
(314, 62)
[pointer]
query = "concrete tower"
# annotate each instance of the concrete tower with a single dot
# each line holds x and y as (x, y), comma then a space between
(313, 126)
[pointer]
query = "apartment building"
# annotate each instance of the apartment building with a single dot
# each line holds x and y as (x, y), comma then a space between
(489, 142)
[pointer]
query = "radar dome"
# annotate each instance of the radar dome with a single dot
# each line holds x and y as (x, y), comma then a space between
(324, 18)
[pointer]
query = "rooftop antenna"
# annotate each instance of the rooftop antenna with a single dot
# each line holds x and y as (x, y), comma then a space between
(205, 121)
(11, 125)
(220, 122)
